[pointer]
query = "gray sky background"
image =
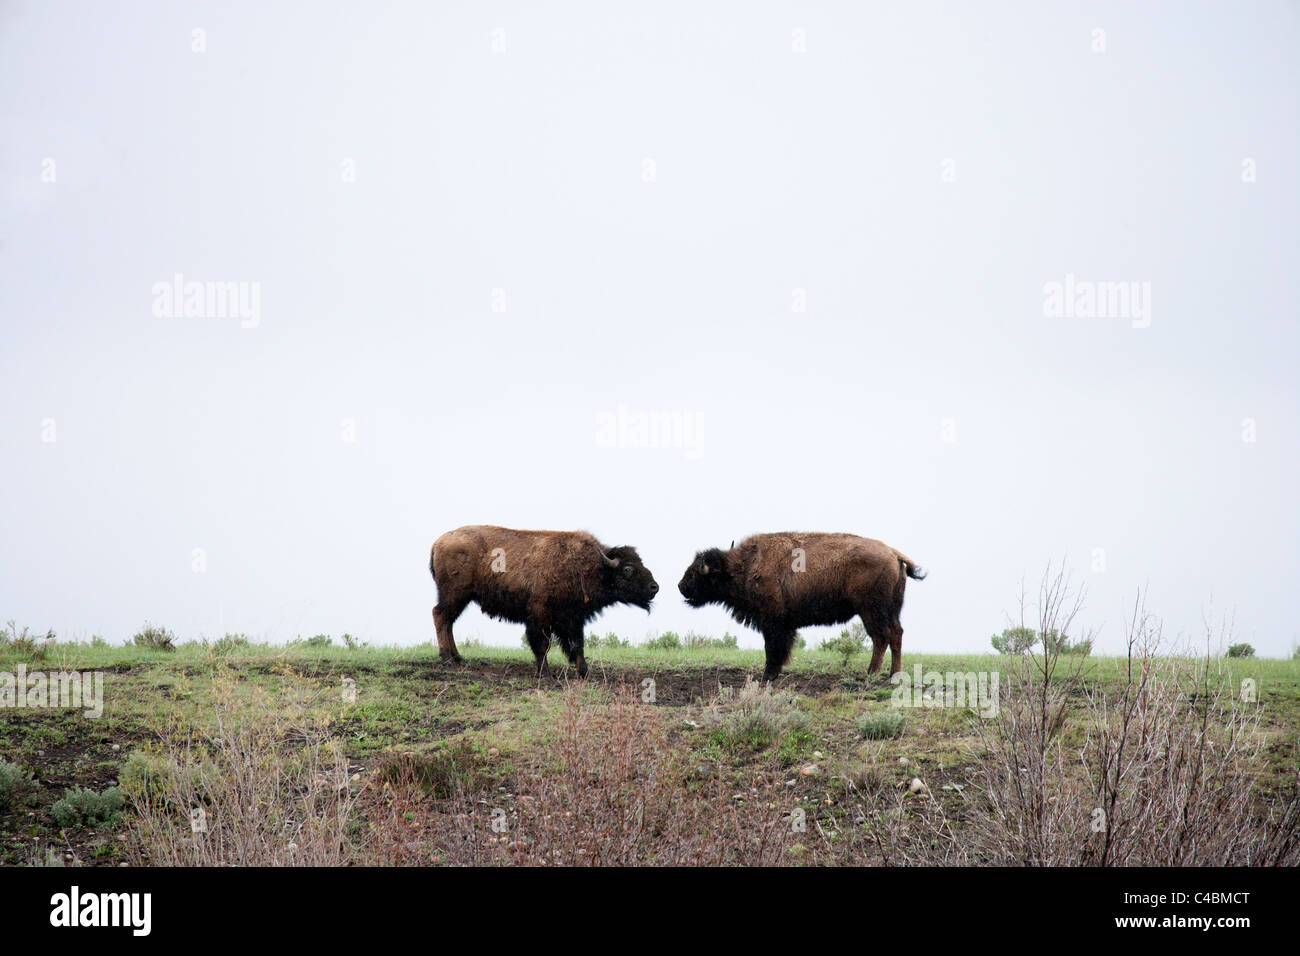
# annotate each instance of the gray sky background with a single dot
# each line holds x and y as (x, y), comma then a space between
(920, 173)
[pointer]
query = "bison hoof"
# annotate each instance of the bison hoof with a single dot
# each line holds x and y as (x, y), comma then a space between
(771, 675)
(451, 658)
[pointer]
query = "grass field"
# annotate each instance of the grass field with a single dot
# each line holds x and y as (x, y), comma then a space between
(669, 753)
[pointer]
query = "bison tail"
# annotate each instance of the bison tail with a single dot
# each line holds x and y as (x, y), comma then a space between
(431, 570)
(910, 567)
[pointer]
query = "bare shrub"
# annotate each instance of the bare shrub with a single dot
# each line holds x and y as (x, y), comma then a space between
(1159, 770)
(1031, 796)
(609, 792)
(620, 796)
(263, 786)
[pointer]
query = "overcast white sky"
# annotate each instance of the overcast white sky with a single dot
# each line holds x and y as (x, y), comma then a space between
(475, 229)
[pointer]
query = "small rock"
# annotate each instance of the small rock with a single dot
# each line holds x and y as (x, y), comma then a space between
(903, 761)
(808, 770)
(493, 752)
(916, 786)
(117, 746)
(817, 755)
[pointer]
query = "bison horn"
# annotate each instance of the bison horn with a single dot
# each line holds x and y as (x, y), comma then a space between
(609, 562)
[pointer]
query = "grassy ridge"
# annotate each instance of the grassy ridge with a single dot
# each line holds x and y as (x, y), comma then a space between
(489, 720)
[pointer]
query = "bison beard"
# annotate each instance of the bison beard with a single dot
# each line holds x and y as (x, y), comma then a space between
(552, 582)
(778, 583)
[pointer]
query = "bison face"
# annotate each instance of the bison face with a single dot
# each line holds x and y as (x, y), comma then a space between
(705, 581)
(629, 579)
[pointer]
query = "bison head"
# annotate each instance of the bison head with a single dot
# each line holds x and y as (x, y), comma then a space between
(706, 580)
(628, 579)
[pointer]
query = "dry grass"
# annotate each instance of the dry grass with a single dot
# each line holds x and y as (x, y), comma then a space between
(611, 792)
(265, 786)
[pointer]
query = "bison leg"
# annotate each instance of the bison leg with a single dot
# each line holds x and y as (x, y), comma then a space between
(777, 645)
(444, 615)
(895, 647)
(576, 656)
(879, 631)
(540, 642)
(877, 655)
(571, 642)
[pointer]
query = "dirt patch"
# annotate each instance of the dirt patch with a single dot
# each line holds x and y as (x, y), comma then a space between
(674, 686)
(84, 759)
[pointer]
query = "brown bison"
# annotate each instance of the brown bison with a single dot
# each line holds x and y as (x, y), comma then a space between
(552, 582)
(778, 583)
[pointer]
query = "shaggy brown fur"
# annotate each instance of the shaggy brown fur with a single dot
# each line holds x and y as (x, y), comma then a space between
(778, 583)
(552, 582)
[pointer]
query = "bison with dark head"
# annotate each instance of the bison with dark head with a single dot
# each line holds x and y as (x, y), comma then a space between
(778, 583)
(552, 582)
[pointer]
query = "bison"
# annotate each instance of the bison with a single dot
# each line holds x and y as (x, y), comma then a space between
(552, 582)
(778, 583)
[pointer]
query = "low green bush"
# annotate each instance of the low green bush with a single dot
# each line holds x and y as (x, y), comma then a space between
(15, 786)
(882, 724)
(80, 807)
